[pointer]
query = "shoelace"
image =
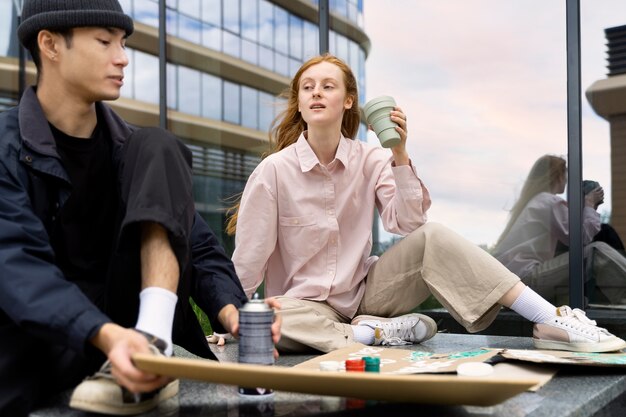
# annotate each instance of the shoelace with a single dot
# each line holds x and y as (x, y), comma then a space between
(578, 320)
(396, 333)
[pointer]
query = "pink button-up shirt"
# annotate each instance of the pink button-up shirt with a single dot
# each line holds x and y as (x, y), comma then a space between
(307, 228)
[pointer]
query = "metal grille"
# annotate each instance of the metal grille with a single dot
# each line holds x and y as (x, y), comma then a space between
(221, 163)
(616, 45)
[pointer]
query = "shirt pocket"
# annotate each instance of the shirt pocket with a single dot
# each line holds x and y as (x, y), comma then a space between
(300, 235)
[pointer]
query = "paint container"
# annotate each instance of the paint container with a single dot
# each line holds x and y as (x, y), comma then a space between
(255, 339)
(372, 364)
(330, 366)
(355, 365)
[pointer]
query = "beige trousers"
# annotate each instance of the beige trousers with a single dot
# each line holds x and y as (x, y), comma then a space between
(464, 278)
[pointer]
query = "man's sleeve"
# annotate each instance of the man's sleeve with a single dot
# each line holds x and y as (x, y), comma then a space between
(216, 283)
(34, 293)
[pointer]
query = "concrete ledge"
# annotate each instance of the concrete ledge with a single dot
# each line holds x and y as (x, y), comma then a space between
(574, 391)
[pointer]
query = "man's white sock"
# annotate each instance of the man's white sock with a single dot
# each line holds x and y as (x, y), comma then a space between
(156, 314)
(363, 334)
(533, 307)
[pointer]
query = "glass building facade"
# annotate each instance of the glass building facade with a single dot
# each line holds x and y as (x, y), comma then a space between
(228, 61)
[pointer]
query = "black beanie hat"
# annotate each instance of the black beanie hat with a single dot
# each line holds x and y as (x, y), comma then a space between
(62, 14)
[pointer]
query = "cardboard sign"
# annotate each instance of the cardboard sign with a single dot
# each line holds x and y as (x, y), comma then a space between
(424, 389)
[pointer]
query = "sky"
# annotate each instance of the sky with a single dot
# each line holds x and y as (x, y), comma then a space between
(484, 86)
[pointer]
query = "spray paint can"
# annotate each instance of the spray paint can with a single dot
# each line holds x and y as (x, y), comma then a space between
(255, 338)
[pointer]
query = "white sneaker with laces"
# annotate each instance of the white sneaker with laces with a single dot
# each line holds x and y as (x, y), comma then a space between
(100, 393)
(571, 330)
(401, 330)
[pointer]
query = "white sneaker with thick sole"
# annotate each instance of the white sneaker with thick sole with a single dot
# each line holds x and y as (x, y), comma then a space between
(100, 393)
(401, 330)
(571, 330)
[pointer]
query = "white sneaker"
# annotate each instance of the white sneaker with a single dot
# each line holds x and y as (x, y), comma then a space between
(100, 393)
(401, 330)
(572, 330)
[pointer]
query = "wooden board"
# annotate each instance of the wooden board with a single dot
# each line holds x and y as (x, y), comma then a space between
(425, 389)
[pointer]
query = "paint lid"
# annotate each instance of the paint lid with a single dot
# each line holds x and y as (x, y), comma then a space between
(256, 304)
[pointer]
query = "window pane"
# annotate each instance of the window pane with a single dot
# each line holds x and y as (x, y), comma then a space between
(311, 40)
(189, 29)
(266, 23)
(266, 111)
(231, 15)
(250, 107)
(281, 64)
(212, 37)
(232, 96)
(250, 19)
(172, 91)
(211, 97)
(249, 51)
(232, 44)
(281, 38)
(212, 12)
(266, 58)
(189, 86)
(190, 8)
(295, 37)
(146, 68)
(147, 12)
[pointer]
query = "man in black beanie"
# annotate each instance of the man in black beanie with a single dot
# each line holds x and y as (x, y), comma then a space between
(100, 244)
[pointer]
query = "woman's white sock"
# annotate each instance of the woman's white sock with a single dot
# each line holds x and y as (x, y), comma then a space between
(533, 307)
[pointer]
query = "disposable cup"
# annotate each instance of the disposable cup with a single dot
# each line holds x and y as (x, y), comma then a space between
(377, 115)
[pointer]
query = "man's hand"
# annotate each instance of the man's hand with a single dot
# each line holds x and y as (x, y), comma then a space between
(119, 344)
(229, 318)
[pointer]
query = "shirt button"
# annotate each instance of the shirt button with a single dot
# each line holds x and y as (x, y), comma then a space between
(330, 272)
(296, 221)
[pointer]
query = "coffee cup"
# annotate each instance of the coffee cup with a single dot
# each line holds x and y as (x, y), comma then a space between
(377, 115)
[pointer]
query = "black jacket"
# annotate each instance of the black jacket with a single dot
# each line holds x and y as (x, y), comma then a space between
(34, 294)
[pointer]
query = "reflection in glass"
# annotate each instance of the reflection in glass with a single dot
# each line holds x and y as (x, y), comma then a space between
(535, 242)
(171, 23)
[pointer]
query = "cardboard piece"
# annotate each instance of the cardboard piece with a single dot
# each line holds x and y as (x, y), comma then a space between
(403, 361)
(424, 389)
(566, 358)
(518, 370)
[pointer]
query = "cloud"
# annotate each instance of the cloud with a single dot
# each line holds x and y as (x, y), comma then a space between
(483, 84)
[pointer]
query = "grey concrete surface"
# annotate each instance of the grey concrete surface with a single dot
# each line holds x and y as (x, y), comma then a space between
(574, 391)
